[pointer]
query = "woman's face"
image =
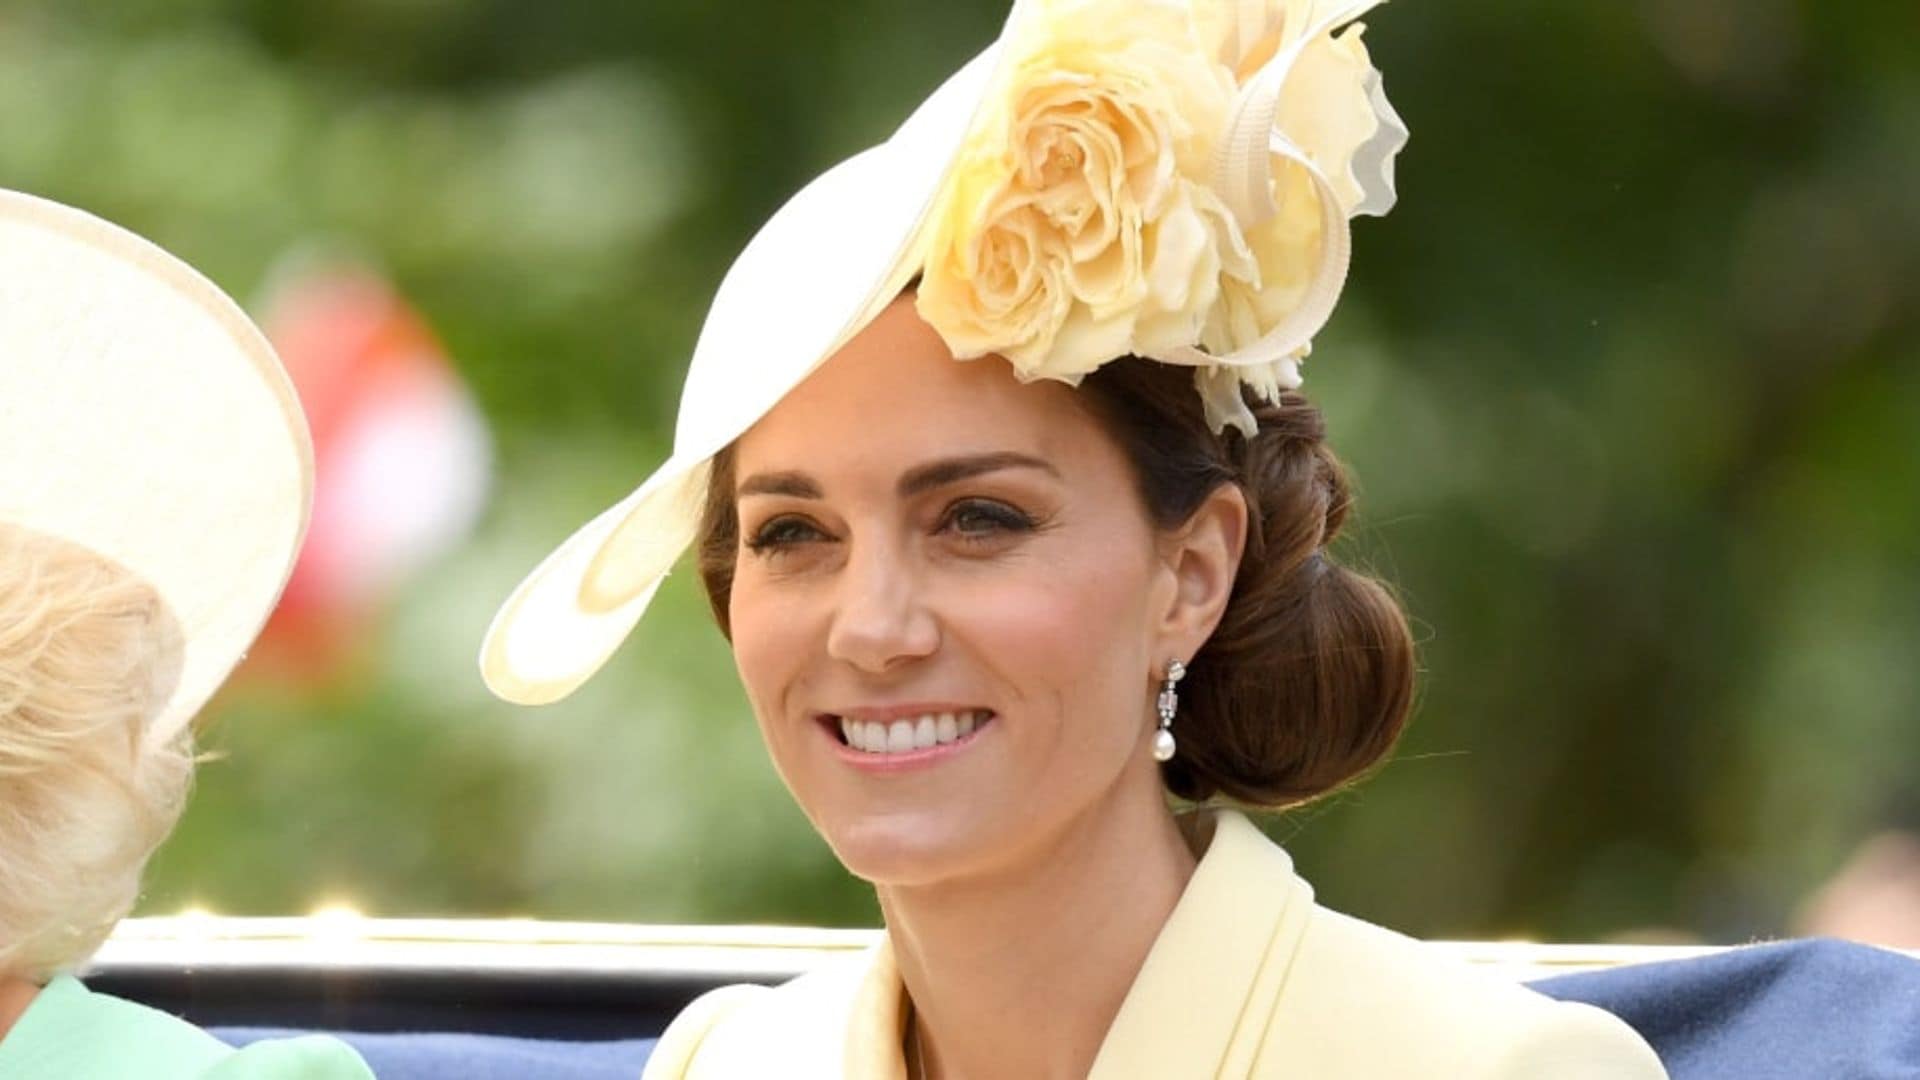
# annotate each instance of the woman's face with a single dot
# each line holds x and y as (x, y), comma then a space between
(927, 547)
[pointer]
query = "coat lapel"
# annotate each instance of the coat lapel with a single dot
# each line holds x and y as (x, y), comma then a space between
(878, 1021)
(1207, 994)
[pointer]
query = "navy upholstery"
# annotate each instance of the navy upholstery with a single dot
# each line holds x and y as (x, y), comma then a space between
(1798, 1010)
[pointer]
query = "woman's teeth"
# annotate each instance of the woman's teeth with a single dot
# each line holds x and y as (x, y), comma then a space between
(905, 736)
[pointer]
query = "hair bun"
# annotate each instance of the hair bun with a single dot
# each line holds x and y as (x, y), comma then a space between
(1308, 680)
(1294, 484)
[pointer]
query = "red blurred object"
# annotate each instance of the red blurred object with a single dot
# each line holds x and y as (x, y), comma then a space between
(401, 456)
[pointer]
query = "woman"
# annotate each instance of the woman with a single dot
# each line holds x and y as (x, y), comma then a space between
(154, 483)
(990, 615)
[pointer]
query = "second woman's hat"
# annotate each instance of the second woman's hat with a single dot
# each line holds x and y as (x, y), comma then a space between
(143, 417)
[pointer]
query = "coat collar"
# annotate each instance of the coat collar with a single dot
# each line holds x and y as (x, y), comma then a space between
(1203, 1000)
(1206, 995)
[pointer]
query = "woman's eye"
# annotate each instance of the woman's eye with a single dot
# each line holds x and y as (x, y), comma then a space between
(781, 534)
(984, 518)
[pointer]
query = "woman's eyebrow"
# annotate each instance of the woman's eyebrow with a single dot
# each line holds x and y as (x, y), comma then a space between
(937, 474)
(920, 478)
(797, 485)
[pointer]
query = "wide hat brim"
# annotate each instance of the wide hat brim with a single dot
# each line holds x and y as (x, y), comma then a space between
(815, 274)
(144, 417)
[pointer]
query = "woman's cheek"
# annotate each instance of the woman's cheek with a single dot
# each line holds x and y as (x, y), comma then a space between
(769, 652)
(1048, 625)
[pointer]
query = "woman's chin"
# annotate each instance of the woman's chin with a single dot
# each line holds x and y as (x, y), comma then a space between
(908, 848)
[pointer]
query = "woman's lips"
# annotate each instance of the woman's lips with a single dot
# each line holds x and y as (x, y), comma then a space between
(906, 737)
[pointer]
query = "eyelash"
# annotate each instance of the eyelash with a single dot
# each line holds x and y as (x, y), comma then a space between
(776, 535)
(1002, 517)
(779, 535)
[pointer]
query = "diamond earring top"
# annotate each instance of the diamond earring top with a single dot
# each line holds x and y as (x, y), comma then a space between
(1167, 705)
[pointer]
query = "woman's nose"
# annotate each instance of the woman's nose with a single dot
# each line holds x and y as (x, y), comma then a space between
(879, 621)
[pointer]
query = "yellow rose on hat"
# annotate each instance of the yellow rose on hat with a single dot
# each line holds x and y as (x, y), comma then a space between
(1074, 224)
(1164, 179)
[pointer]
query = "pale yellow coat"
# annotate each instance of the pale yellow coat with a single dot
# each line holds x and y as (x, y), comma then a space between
(1249, 978)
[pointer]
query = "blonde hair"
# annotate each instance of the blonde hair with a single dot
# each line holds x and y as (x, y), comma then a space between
(88, 654)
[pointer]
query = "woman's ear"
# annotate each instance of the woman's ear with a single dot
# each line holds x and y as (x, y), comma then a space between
(1202, 557)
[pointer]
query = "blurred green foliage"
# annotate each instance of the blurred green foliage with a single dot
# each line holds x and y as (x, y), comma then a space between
(1630, 379)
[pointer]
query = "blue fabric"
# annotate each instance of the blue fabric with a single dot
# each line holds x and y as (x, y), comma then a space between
(438, 1055)
(1798, 1010)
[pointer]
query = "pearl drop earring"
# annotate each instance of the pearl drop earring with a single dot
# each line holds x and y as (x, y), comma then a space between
(1168, 704)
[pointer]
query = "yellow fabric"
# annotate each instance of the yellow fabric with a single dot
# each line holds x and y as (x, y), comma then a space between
(1249, 978)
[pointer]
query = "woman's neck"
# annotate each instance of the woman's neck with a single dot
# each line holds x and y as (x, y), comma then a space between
(15, 995)
(1021, 975)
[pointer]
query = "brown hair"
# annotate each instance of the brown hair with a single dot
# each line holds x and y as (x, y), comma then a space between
(1308, 679)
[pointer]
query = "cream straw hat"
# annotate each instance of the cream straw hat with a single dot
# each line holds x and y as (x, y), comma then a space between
(1163, 178)
(143, 417)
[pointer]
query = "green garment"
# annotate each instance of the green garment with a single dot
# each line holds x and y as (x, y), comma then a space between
(72, 1033)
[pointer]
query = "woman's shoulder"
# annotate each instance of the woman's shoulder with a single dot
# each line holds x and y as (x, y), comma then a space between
(70, 1031)
(796, 1029)
(1353, 978)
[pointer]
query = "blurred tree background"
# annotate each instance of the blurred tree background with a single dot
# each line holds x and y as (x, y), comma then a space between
(1630, 379)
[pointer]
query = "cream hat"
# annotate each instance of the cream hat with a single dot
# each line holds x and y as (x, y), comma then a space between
(1163, 178)
(143, 417)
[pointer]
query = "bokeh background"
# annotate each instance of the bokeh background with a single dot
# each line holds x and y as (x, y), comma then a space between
(1630, 379)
